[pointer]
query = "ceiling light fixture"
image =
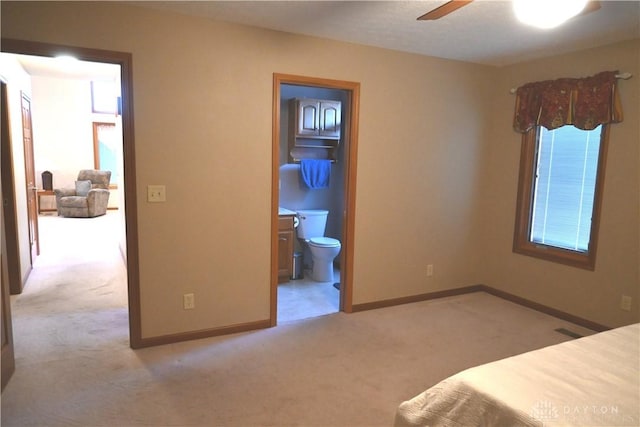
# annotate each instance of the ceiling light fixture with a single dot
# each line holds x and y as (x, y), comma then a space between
(547, 13)
(67, 60)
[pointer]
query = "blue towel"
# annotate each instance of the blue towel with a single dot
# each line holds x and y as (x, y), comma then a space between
(315, 173)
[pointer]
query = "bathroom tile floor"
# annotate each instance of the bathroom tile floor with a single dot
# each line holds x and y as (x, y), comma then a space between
(304, 298)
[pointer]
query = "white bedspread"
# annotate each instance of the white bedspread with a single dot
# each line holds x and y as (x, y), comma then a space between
(591, 381)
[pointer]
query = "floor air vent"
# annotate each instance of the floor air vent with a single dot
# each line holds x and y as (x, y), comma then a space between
(568, 333)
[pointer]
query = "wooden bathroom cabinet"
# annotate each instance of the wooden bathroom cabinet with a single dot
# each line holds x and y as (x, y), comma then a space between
(314, 128)
(315, 118)
(285, 247)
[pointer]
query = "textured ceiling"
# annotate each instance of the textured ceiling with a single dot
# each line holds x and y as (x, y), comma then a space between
(485, 31)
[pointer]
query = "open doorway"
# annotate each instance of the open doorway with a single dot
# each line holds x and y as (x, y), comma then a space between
(310, 291)
(125, 214)
(67, 126)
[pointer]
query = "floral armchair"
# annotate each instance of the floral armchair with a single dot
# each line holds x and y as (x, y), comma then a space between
(88, 199)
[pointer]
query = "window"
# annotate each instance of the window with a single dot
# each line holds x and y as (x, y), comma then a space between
(104, 96)
(105, 147)
(559, 194)
(565, 132)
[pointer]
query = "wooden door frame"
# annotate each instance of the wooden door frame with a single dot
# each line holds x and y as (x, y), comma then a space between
(7, 359)
(96, 150)
(124, 60)
(12, 255)
(351, 125)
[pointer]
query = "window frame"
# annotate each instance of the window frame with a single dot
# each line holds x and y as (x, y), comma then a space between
(96, 150)
(524, 205)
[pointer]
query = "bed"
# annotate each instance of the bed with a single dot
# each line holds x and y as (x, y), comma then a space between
(591, 381)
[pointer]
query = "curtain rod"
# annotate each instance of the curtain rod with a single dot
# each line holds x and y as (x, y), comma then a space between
(623, 76)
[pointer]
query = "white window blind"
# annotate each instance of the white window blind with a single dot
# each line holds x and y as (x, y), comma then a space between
(564, 188)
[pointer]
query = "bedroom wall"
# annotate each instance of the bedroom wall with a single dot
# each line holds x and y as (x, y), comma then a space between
(203, 93)
(594, 295)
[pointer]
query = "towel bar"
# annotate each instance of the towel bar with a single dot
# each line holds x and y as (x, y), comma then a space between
(296, 160)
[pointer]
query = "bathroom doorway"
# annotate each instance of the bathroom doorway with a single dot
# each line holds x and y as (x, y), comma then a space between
(300, 296)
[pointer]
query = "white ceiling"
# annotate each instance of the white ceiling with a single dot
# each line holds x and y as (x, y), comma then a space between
(60, 68)
(485, 31)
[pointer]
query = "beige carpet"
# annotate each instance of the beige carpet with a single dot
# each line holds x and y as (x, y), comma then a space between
(74, 366)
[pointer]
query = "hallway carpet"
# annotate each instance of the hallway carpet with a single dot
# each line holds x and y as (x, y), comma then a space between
(74, 366)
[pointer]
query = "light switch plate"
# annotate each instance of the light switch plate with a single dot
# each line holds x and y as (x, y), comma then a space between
(156, 193)
(625, 303)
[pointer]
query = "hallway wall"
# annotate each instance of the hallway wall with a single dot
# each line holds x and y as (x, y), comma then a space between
(18, 81)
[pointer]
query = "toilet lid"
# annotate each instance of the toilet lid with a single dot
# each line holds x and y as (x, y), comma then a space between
(324, 241)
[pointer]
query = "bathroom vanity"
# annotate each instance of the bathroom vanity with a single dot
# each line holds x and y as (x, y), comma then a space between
(286, 236)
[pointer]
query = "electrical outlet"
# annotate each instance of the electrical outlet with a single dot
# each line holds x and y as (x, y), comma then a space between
(156, 193)
(189, 301)
(625, 303)
(429, 270)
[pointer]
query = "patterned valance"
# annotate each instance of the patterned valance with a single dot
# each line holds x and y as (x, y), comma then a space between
(584, 103)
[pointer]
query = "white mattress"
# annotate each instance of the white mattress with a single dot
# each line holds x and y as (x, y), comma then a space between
(591, 381)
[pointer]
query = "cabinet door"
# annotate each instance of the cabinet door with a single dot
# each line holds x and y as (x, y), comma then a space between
(330, 118)
(308, 118)
(285, 248)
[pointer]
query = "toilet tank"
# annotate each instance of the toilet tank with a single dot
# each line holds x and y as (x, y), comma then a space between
(312, 223)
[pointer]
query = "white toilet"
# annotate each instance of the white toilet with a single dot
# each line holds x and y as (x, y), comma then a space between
(323, 249)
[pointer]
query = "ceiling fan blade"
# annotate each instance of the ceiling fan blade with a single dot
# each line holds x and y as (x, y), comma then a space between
(591, 6)
(444, 10)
